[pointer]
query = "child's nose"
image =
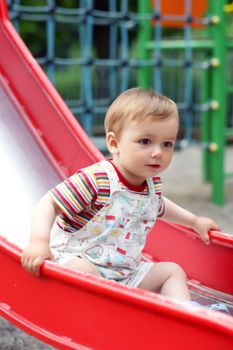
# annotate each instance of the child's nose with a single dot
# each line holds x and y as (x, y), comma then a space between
(156, 152)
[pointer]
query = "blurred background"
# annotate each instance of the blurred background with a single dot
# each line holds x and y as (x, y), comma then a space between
(93, 50)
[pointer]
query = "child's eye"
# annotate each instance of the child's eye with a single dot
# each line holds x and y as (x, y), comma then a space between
(168, 144)
(144, 141)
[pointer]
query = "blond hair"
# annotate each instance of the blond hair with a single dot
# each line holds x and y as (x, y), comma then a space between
(137, 104)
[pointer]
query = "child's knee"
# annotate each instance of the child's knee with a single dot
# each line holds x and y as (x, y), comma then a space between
(177, 270)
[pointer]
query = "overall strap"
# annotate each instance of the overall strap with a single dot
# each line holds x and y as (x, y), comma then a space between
(150, 184)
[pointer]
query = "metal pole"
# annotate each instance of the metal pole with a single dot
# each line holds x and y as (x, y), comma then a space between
(218, 94)
(144, 35)
(205, 125)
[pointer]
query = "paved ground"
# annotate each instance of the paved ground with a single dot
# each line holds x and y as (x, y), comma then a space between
(182, 183)
(11, 338)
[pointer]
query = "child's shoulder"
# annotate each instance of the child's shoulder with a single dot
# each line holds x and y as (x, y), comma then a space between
(96, 173)
(96, 169)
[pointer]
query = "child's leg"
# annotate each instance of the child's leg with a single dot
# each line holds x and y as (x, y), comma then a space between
(168, 279)
(82, 265)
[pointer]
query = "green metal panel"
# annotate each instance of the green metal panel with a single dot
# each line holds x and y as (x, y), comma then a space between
(205, 125)
(218, 94)
(144, 36)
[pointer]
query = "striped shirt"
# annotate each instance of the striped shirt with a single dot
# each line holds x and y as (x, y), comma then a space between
(82, 195)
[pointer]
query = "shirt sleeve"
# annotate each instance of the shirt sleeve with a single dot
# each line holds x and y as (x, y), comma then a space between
(75, 193)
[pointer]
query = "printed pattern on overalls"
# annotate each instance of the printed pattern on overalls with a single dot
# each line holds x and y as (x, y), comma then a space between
(115, 237)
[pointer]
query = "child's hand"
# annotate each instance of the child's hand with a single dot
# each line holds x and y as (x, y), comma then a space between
(202, 226)
(34, 254)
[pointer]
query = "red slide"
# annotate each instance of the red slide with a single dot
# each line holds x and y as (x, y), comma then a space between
(40, 144)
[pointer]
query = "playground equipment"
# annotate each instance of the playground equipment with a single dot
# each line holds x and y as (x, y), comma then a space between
(208, 54)
(71, 310)
(193, 69)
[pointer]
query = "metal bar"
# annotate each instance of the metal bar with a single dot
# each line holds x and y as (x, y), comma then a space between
(218, 93)
(144, 35)
(50, 43)
(228, 132)
(205, 44)
(228, 175)
(205, 124)
(229, 89)
(201, 44)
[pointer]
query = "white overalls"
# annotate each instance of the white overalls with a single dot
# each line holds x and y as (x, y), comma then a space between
(115, 237)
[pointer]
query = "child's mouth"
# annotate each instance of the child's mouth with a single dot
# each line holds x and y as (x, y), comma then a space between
(154, 166)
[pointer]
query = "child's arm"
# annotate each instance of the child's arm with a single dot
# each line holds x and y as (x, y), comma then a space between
(202, 225)
(38, 248)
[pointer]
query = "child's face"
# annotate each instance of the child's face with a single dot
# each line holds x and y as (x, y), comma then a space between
(144, 149)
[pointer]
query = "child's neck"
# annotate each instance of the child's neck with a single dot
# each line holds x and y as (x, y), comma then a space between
(125, 182)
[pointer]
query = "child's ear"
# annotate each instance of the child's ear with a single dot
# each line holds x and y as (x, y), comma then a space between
(112, 143)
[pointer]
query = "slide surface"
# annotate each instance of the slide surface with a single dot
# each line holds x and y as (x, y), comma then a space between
(40, 144)
(23, 169)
